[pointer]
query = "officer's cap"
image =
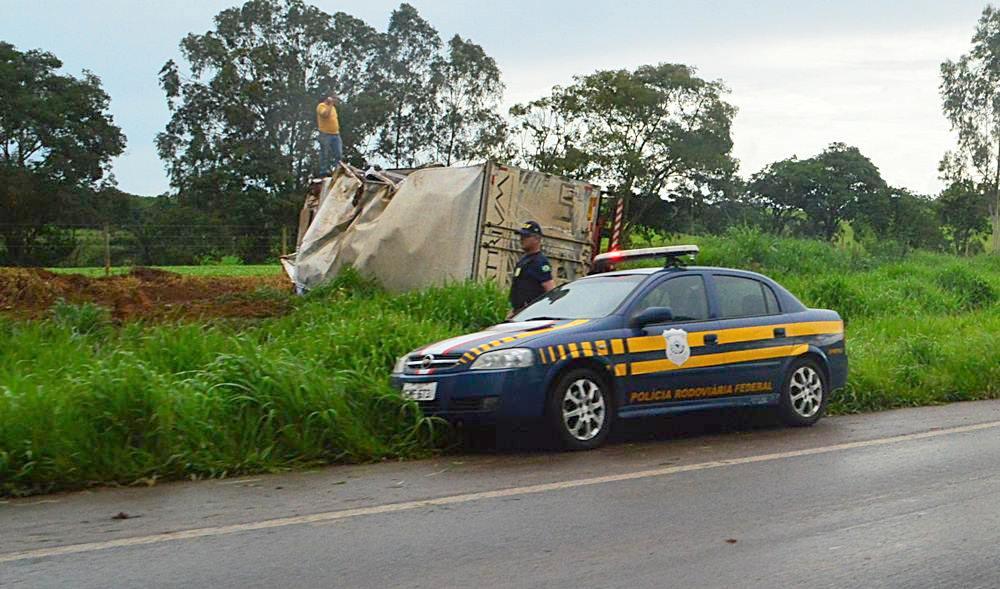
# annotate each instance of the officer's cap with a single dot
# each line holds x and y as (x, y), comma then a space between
(530, 228)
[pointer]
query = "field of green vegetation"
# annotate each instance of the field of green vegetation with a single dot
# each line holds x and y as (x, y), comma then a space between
(206, 270)
(83, 401)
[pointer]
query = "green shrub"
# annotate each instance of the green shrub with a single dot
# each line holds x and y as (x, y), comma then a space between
(838, 293)
(225, 260)
(972, 290)
(83, 319)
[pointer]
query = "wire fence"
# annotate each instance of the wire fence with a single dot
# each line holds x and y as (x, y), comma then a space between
(77, 246)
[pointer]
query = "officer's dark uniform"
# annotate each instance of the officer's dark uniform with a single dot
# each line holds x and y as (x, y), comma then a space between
(529, 274)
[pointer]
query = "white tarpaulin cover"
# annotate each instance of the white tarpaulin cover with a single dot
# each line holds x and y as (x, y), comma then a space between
(419, 232)
(415, 228)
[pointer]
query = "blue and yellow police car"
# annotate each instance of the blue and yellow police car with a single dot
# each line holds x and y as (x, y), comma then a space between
(621, 344)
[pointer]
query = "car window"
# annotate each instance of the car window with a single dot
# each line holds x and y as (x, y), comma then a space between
(684, 295)
(588, 298)
(770, 300)
(744, 297)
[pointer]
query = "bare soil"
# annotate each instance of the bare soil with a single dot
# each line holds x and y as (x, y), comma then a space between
(145, 293)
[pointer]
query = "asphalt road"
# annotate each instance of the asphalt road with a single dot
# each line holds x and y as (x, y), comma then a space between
(899, 499)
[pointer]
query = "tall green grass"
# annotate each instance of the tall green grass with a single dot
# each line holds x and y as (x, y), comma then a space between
(82, 401)
(85, 401)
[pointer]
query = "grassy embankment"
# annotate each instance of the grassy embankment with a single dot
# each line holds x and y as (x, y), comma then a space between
(83, 401)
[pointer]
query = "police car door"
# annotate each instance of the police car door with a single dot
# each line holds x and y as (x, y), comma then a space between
(749, 326)
(663, 365)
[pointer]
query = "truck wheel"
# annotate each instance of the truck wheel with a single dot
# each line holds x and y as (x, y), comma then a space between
(804, 394)
(580, 409)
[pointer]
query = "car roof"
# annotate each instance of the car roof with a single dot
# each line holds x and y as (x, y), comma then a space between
(787, 298)
(659, 269)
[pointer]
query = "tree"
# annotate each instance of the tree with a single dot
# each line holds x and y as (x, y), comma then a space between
(468, 93)
(241, 138)
(548, 138)
(56, 142)
(645, 134)
(896, 217)
(963, 209)
(914, 220)
(970, 89)
(827, 190)
(780, 189)
(843, 179)
(406, 79)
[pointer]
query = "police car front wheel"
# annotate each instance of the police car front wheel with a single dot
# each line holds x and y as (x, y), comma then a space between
(581, 410)
(804, 395)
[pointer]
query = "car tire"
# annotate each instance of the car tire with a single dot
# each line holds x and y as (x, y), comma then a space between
(804, 393)
(581, 409)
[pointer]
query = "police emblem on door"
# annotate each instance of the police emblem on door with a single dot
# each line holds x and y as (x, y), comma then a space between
(678, 350)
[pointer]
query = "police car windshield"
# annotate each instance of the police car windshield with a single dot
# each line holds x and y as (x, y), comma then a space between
(583, 299)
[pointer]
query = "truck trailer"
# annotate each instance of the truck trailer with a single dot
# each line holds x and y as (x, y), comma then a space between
(415, 228)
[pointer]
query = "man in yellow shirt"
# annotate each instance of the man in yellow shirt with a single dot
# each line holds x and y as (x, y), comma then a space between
(331, 149)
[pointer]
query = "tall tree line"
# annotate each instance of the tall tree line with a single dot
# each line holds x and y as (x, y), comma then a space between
(57, 139)
(241, 137)
(970, 89)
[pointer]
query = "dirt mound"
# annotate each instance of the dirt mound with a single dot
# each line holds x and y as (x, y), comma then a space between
(144, 293)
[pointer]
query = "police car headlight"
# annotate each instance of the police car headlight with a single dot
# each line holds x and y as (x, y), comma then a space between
(400, 366)
(501, 359)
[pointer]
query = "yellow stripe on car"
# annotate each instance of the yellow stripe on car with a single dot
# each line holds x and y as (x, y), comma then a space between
(707, 360)
(735, 335)
(814, 328)
(478, 351)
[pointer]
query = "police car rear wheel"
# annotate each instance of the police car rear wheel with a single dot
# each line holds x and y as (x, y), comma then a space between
(581, 410)
(804, 396)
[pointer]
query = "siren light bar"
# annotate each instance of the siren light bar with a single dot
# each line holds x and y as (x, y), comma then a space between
(671, 255)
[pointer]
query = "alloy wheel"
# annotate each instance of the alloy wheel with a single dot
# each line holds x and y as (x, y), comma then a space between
(583, 409)
(806, 391)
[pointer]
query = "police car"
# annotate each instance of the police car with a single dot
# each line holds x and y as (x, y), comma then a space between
(621, 344)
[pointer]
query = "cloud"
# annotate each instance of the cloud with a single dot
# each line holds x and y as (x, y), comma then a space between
(875, 90)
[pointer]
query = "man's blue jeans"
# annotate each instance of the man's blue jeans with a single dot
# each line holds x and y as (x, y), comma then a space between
(331, 151)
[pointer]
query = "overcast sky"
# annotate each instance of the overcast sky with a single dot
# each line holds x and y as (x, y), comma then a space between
(803, 73)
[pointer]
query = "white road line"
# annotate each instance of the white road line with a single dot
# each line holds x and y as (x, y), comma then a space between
(239, 482)
(469, 497)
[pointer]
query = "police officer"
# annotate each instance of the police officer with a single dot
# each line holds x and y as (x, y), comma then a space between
(533, 273)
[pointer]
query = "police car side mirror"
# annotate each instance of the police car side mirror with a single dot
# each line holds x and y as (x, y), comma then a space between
(653, 316)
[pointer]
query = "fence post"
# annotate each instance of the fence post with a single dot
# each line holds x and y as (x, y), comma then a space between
(284, 241)
(996, 229)
(107, 250)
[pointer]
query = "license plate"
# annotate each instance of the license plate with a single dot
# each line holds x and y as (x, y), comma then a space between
(420, 391)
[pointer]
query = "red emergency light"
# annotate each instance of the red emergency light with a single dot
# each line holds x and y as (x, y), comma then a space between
(671, 254)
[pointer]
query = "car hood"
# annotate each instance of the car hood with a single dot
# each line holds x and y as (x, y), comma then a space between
(504, 335)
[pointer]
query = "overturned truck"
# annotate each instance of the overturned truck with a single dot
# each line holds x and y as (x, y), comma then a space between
(430, 226)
